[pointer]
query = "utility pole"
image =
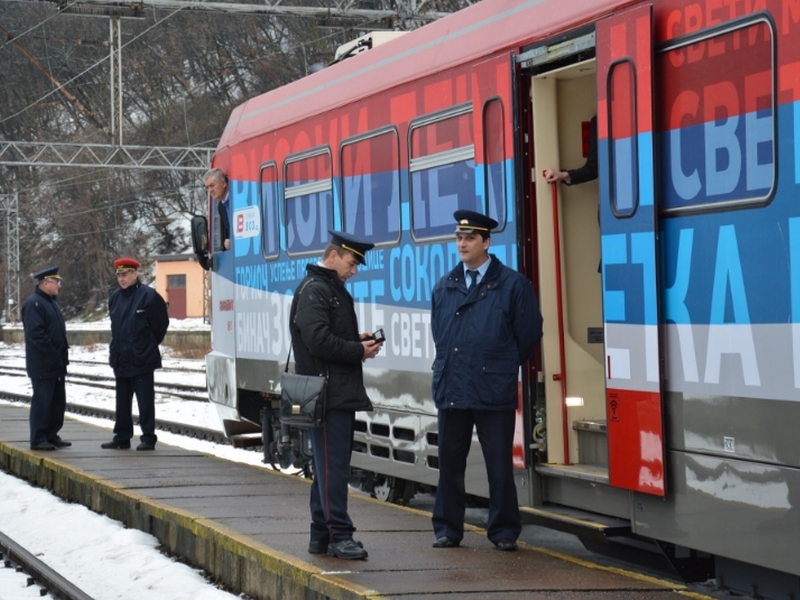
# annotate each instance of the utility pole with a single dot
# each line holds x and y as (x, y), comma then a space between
(11, 210)
(115, 58)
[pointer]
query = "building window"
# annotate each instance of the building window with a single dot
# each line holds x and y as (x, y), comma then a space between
(176, 281)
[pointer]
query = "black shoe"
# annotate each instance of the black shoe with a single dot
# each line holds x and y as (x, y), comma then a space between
(116, 445)
(348, 550)
(446, 542)
(43, 446)
(146, 446)
(507, 545)
(321, 546)
(59, 443)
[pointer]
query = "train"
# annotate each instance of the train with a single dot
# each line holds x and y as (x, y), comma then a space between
(663, 403)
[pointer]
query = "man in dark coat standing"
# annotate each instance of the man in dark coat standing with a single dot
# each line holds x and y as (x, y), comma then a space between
(46, 360)
(326, 342)
(139, 322)
(485, 322)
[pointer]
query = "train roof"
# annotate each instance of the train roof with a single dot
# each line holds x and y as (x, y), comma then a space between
(463, 36)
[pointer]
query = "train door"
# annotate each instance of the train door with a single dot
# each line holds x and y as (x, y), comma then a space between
(570, 433)
(629, 252)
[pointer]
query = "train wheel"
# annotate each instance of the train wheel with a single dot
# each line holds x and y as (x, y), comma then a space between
(392, 489)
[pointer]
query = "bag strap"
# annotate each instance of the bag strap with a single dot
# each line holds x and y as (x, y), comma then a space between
(291, 344)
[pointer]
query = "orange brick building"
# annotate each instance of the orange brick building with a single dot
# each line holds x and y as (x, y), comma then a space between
(180, 281)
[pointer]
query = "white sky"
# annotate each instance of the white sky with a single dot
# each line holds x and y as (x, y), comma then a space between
(96, 553)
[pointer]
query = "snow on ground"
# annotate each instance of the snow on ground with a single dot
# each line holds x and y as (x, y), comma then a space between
(102, 557)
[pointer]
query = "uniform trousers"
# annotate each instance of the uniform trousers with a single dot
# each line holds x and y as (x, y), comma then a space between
(48, 403)
(142, 386)
(496, 436)
(331, 446)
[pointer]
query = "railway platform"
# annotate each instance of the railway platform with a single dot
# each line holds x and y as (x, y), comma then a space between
(248, 527)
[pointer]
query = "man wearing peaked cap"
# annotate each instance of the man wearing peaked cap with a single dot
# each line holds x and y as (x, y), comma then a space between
(326, 341)
(126, 264)
(139, 322)
(358, 248)
(469, 221)
(485, 323)
(46, 360)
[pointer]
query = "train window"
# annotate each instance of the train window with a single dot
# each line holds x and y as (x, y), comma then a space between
(308, 201)
(494, 153)
(623, 136)
(371, 186)
(442, 171)
(715, 119)
(269, 211)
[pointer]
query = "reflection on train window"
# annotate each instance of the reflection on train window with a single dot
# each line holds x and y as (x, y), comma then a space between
(308, 196)
(494, 142)
(716, 119)
(623, 136)
(371, 187)
(269, 211)
(442, 167)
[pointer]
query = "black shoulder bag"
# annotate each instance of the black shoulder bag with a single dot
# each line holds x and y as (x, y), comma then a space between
(302, 398)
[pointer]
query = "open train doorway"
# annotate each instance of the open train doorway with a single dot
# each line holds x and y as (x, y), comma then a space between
(563, 109)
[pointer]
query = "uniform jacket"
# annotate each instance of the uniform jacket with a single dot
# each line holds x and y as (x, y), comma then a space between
(325, 334)
(139, 322)
(482, 336)
(224, 221)
(45, 336)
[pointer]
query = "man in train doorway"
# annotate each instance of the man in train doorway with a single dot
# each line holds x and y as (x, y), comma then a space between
(326, 340)
(216, 183)
(46, 360)
(485, 322)
(588, 172)
(139, 322)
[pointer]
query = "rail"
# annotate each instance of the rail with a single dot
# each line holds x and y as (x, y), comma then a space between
(42, 574)
(179, 390)
(562, 375)
(195, 431)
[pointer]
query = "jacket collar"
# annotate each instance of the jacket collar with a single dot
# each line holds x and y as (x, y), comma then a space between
(456, 276)
(320, 271)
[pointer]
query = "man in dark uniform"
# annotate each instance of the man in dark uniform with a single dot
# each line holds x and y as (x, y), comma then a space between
(326, 342)
(139, 322)
(485, 323)
(216, 183)
(46, 360)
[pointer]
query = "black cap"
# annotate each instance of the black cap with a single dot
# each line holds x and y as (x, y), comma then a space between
(351, 243)
(48, 273)
(469, 221)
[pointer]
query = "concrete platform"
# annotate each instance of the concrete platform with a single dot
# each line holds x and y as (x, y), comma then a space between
(248, 527)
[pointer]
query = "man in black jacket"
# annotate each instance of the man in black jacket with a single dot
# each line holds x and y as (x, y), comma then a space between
(46, 360)
(326, 342)
(139, 322)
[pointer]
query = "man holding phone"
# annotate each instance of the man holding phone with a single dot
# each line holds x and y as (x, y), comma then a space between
(326, 342)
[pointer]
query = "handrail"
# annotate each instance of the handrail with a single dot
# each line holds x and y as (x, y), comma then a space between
(562, 376)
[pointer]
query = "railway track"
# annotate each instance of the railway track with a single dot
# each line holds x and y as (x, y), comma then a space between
(195, 431)
(15, 556)
(200, 368)
(179, 390)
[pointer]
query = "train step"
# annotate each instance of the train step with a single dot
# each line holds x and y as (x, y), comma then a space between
(581, 523)
(246, 440)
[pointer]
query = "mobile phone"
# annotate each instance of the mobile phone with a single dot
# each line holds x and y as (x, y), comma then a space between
(379, 336)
